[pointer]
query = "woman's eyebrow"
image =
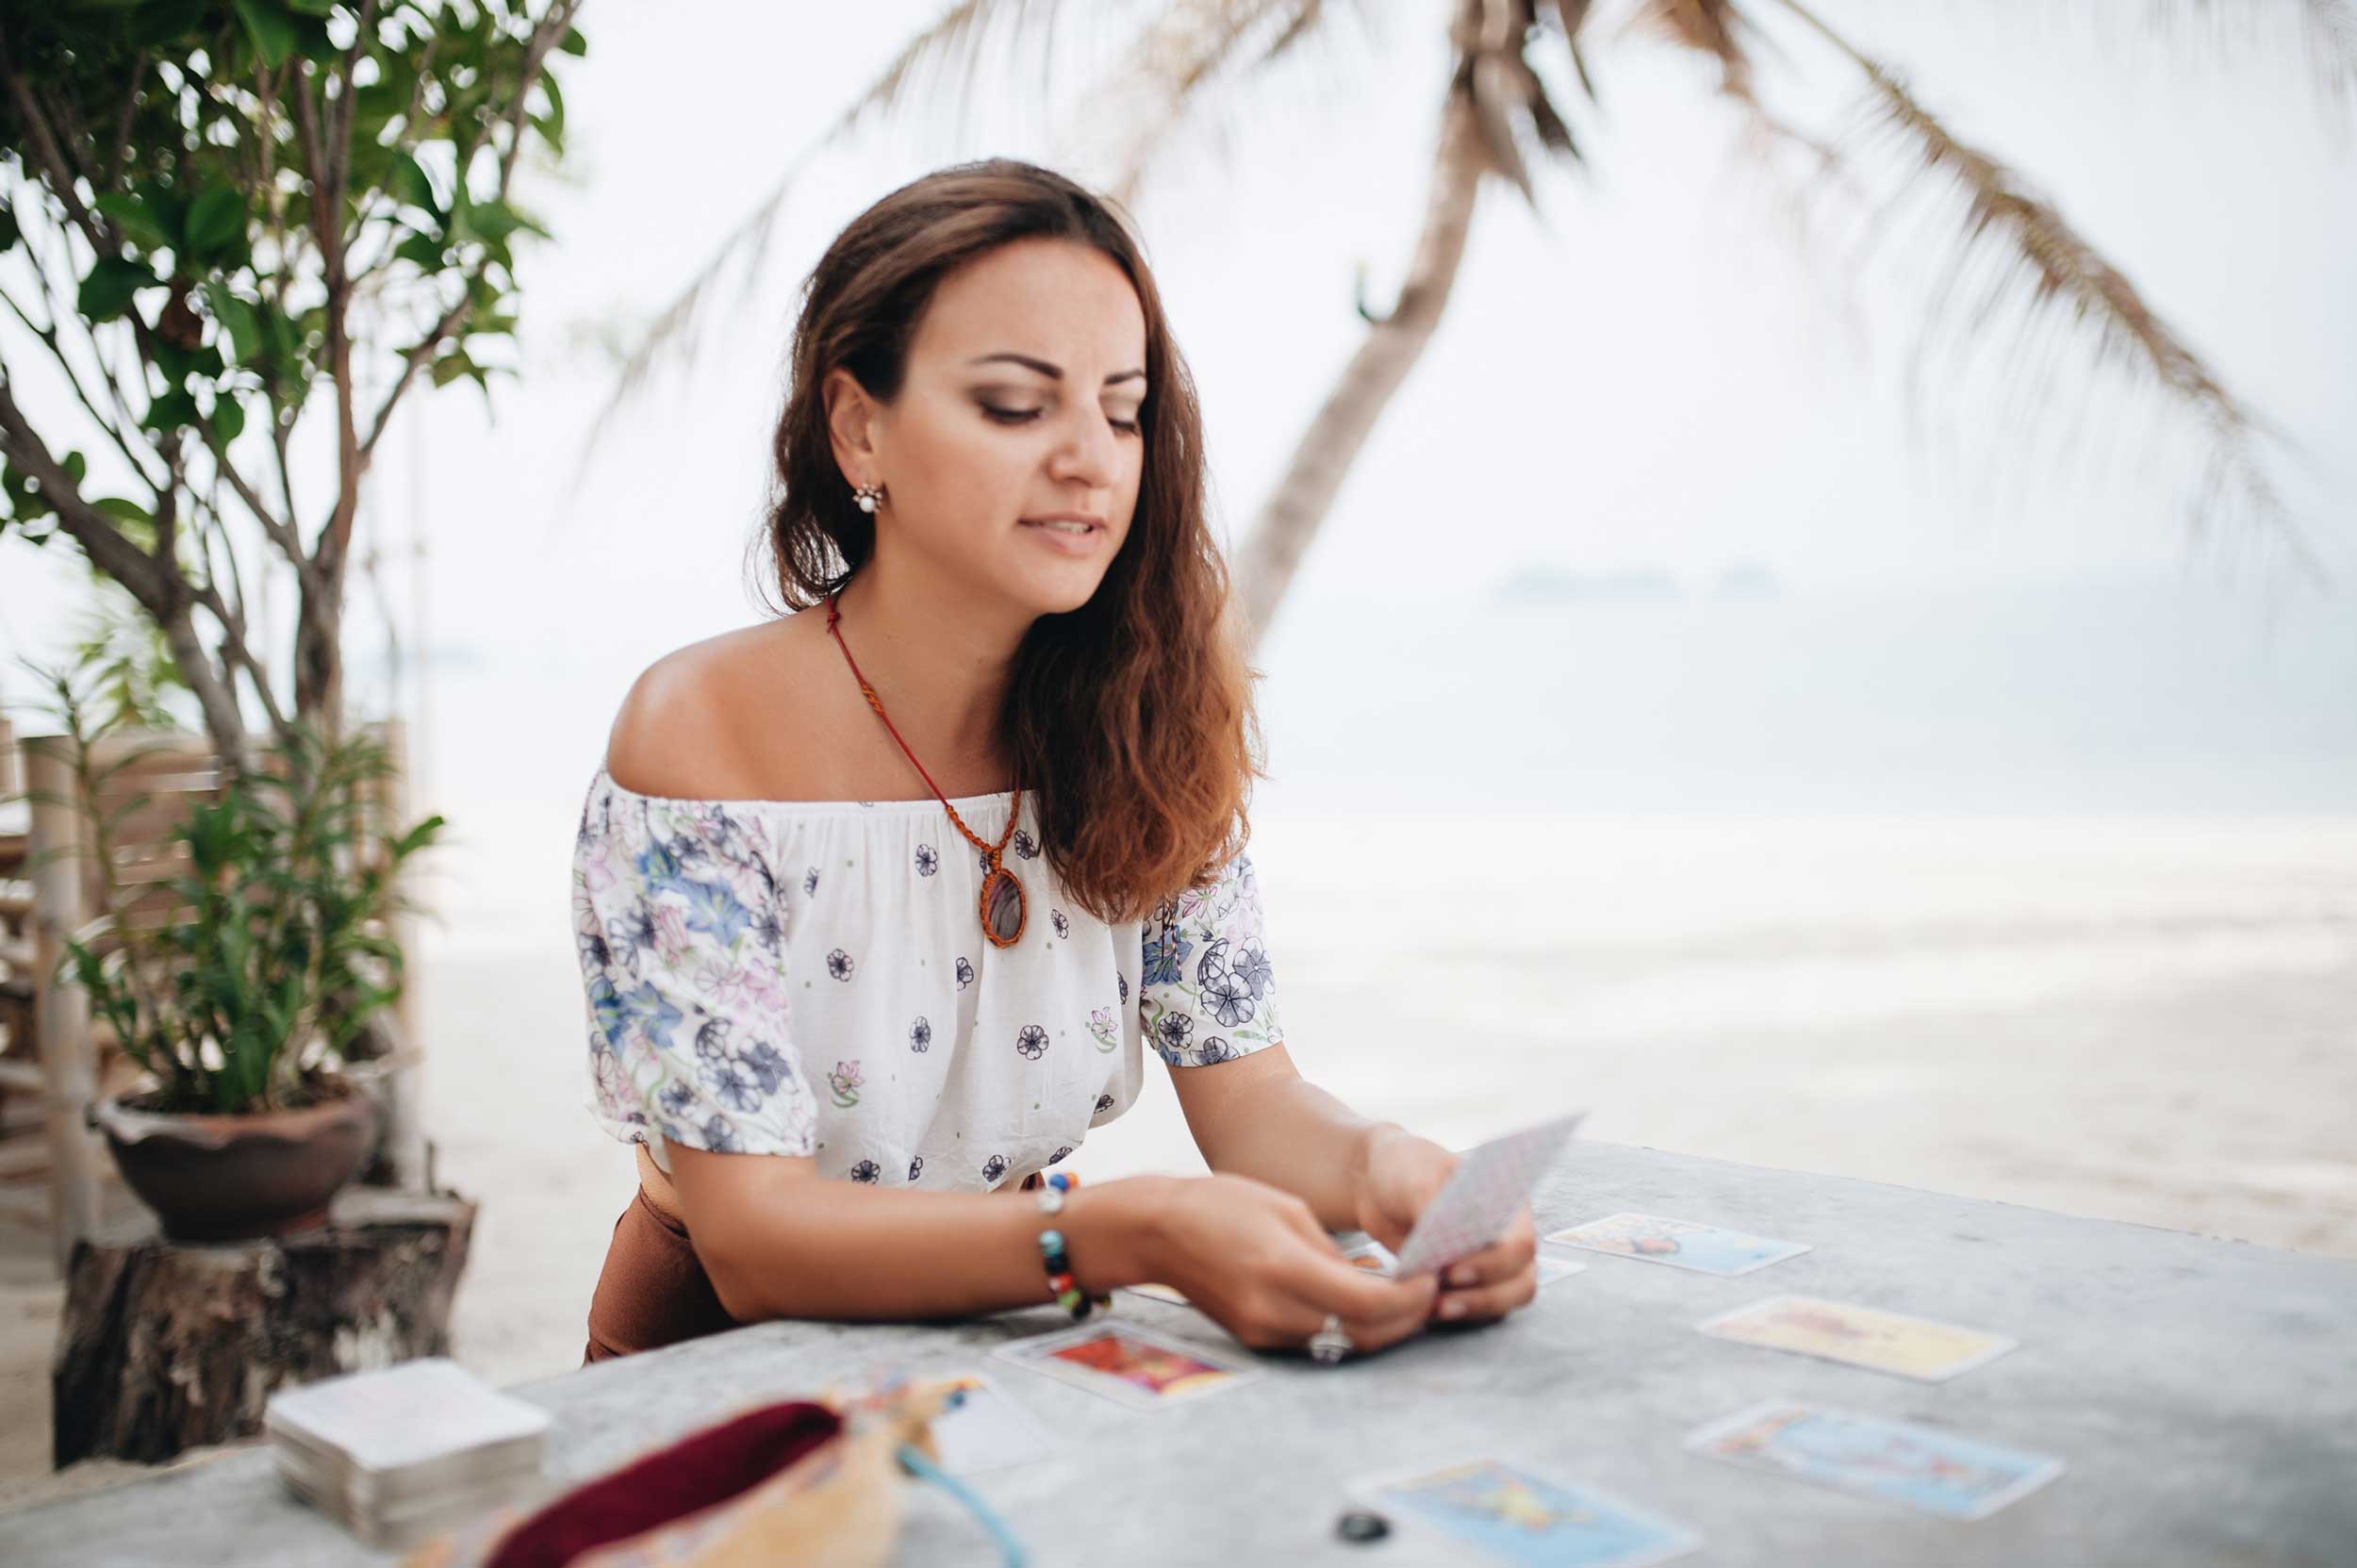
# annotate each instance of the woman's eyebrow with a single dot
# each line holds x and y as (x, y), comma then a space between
(1051, 371)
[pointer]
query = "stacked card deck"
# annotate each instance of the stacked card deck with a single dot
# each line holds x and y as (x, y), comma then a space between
(399, 1453)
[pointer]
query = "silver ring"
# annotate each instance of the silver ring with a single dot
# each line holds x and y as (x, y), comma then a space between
(1330, 1344)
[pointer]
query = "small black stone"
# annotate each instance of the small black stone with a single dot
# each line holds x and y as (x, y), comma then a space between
(1361, 1524)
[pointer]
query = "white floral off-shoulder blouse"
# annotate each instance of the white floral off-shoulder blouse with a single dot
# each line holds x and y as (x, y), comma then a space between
(810, 978)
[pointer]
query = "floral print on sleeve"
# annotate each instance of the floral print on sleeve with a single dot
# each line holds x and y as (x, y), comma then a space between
(677, 922)
(1207, 993)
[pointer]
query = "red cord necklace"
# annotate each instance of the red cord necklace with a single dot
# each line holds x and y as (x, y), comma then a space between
(1002, 906)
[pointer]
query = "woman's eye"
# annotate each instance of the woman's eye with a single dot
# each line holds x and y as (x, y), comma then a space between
(1025, 416)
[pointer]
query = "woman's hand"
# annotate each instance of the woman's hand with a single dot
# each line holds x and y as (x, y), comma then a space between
(1404, 1173)
(1256, 1260)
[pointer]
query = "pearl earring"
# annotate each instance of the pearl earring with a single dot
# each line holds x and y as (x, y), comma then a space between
(867, 495)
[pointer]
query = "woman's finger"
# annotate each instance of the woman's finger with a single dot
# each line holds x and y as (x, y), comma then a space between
(1380, 1336)
(1324, 1280)
(1487, 1303)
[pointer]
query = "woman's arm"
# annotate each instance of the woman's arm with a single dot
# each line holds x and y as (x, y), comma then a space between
(1257, 1116)
(778, 1241)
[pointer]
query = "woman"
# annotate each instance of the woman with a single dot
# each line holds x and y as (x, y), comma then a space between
(879, 905)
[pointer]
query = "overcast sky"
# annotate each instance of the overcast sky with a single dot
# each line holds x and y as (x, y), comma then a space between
(1649, 374)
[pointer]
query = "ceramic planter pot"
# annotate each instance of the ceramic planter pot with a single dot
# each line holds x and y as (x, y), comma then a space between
(218, 1177)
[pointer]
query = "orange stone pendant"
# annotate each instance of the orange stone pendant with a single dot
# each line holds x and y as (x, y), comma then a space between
(1003, 907)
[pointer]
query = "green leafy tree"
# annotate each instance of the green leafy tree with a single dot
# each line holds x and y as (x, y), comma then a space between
(219, 216)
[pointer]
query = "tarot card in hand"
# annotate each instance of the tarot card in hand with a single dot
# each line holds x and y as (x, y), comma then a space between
(1375, 1257)
(1482, 1196)
(1679, 1243)
(1517, 1517)
(1861, 1336)
(985, 1428)
(1897, 1461)
(1129, 1365)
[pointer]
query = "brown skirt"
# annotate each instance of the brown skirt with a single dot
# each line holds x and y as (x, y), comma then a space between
(654, 1289)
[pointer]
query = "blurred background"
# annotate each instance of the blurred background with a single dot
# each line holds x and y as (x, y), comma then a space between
(1696, 706)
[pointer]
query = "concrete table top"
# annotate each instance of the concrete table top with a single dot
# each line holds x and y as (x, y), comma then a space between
(2203, 1394)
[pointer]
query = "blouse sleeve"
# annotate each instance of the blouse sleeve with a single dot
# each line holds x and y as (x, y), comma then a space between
(1207, 993)
(681, 942)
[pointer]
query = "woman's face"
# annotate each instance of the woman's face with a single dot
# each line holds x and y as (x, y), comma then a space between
(1020, 404)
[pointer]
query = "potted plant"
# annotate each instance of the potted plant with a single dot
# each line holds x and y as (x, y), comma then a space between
(236, 985)
(252, 236)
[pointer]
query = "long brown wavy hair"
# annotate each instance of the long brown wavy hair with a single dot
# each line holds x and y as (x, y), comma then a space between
(1130, 720)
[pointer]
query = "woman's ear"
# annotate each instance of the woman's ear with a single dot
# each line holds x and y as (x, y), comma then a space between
(852, 419)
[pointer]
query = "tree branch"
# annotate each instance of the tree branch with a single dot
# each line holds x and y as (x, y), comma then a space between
(50, 157)
(419, 353)
(327, 233)
(233, 646)
(340, 109)
(49, 339)
(61, 305)
(282, 534)
(219, 700)
(109, 548)
(68, 133)
(123, 121)
(544, 37)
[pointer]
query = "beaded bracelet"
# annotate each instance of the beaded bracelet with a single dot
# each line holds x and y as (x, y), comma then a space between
(1053, 1253)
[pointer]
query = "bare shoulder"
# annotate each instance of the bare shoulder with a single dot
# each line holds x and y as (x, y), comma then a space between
(688, 727)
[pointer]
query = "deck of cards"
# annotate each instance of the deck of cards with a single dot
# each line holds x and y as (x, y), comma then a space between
(399, 1453)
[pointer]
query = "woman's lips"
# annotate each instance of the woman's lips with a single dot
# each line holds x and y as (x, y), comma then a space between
(1076, 542)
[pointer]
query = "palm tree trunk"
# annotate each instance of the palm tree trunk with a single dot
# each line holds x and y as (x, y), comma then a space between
(1290, 518)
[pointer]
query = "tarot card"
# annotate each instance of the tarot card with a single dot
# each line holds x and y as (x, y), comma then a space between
(1861, 1336)
(1482, 1196)
(985, 1428)
(1679, 1243)
(1895, 1462)
(1516, 1517)
(1128, 1363)
(1375, 1257)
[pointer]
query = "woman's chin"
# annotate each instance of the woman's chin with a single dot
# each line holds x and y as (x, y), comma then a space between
(1060, 588)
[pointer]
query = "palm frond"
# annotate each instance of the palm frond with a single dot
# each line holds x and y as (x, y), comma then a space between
(1505, 91)
(1171, 69)
(2023, 256)
(1573, 15)
(2328, 26)
(952, 46)
(1711, 27)
(1718, 30)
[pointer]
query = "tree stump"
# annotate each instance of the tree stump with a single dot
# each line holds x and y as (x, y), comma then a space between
(165, 1345)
